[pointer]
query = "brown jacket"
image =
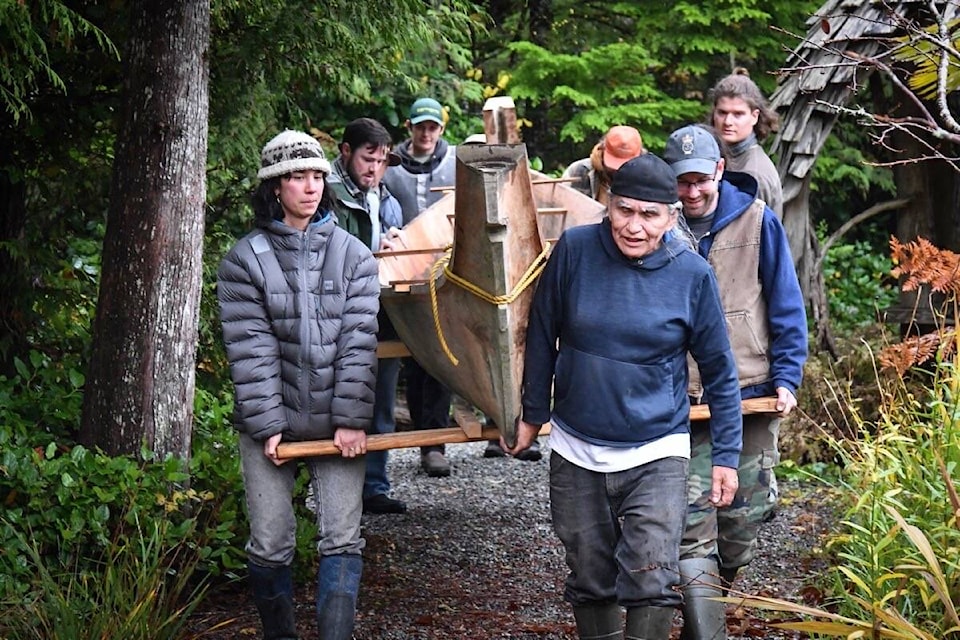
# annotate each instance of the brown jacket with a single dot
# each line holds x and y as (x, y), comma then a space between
(735, 258)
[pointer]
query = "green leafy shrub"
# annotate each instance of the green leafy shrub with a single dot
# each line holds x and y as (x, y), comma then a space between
(215, 470)
(41, 403)
(73, 498)
(896, 571)
(858, 284)
(70, 502)
(899, 551)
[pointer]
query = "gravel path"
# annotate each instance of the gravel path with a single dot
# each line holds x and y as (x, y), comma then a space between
(475, 558)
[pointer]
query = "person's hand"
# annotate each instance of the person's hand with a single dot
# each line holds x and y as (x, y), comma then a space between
(351, 442)
(390, 241)
(526, 434)
(786, 401)
(270, 449)
(724, 487)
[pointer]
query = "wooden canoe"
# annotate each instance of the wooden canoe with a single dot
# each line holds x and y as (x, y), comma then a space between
(498, 222)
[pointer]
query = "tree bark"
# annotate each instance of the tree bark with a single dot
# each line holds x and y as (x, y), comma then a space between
(140, 385)
(798, 227)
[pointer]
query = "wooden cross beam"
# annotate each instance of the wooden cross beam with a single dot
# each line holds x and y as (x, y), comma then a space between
(469, 429)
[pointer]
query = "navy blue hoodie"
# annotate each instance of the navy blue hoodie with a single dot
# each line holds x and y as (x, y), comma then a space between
(609, 335)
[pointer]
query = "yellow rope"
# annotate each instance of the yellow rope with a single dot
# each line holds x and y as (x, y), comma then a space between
(440, 264)
(528, 277)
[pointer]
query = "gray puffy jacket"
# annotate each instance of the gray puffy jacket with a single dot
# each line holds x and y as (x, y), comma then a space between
(302, 351)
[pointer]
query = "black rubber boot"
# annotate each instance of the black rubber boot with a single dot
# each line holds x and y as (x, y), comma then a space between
(703, 617)
(728, 576)
(531, 454)
(599, 622)
(338, 582)
(649, 623)
(273, 595)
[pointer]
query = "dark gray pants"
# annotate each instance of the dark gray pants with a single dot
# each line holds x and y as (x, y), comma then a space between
(621, 531)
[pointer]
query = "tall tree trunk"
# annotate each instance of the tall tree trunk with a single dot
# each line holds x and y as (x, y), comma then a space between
(140, 386)
(798, 226)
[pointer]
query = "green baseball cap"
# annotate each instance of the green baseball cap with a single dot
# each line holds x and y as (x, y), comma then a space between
(426, 109)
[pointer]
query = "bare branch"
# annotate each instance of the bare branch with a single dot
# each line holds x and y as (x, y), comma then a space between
(875, 210)
(897, 82)
(927, 38)
(944, 44)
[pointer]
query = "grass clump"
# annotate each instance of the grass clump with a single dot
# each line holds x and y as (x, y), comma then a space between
(138, 588)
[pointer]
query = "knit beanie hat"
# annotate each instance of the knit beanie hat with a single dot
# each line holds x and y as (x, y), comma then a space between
(646, 178)
(291, 151)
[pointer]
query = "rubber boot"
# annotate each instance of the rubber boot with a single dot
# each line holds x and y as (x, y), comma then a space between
(649, 623)
(273, 595)
(728, 576)
(599, 622)
(338, 582)
(703, 617)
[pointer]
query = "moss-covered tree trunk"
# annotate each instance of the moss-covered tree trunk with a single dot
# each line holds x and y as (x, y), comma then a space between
(140, 385)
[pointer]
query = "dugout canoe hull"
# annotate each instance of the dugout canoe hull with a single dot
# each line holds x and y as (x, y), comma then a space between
(496, 223)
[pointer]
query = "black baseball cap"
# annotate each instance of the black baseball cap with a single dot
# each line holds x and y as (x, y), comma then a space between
(646, 177)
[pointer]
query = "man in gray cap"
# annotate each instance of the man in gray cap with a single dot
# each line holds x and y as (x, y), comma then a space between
(746, 245)
(617, 309)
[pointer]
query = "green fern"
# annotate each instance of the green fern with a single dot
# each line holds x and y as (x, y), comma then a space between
(926, 52)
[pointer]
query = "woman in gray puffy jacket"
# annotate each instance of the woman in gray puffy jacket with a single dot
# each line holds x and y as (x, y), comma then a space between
(298, 303)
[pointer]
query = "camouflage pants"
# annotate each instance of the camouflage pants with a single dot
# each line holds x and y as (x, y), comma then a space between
(730, 534)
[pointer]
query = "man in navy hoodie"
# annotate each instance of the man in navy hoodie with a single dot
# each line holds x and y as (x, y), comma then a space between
(617, 309)
(744, 242)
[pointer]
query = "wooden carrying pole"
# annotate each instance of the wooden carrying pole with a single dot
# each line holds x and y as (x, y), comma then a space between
(467, 431)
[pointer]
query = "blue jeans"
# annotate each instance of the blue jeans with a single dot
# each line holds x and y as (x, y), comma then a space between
(337, 484)
(376, 481)
(621, 531)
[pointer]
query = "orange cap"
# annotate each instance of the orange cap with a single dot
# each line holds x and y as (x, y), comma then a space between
(621, 144)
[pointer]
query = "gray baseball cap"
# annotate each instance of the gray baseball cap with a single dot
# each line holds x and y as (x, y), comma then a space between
(692, 149)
